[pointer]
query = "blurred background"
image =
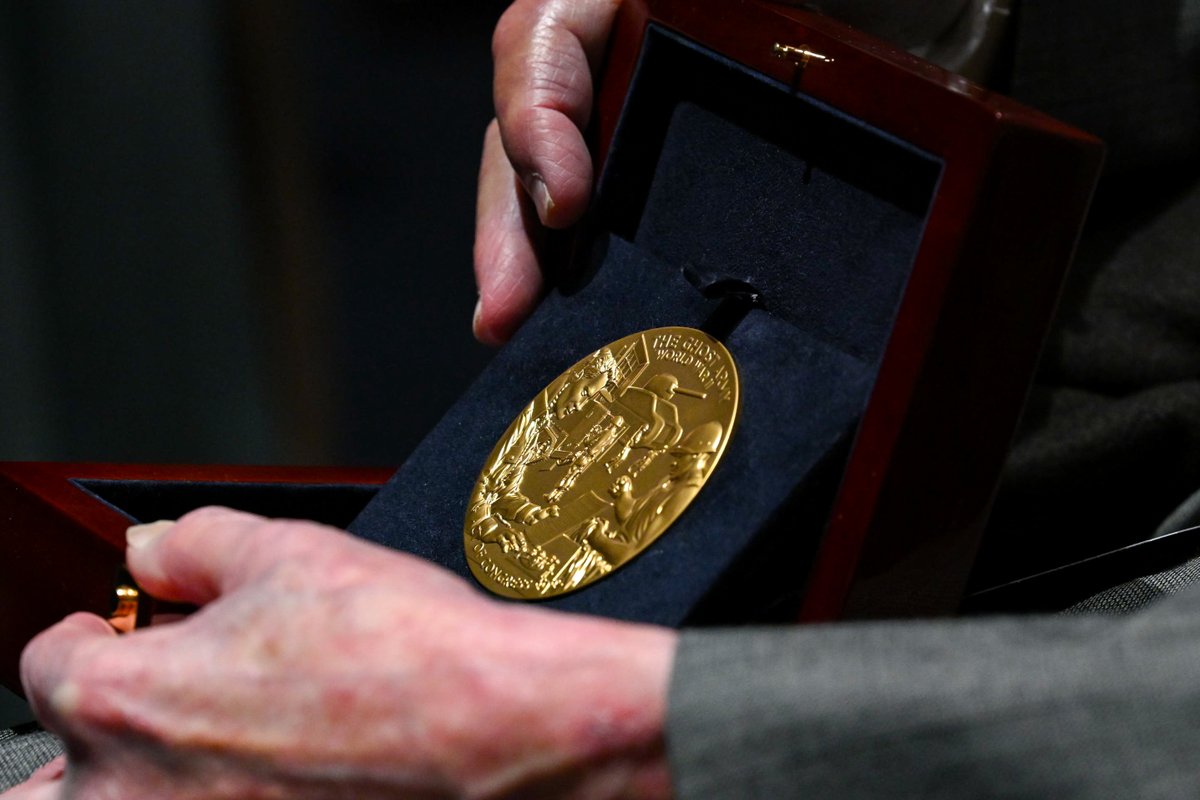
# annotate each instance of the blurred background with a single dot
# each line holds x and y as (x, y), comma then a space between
(236, 231)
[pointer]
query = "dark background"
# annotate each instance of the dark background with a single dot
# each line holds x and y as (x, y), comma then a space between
(236, 231)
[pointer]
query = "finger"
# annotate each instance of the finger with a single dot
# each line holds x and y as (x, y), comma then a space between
(506, 265)
(45, 783)
(546, 52)
(50, 772)
(35, 791)
(48, 666)
(213, 551)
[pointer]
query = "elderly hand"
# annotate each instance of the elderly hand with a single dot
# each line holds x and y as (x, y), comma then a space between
(322, 666)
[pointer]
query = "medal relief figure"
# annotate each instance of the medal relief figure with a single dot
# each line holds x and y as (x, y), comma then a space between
(649, 515)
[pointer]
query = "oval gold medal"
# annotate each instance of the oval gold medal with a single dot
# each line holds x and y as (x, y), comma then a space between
(601, 463)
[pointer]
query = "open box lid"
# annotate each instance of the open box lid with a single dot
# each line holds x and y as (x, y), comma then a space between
(908, 232)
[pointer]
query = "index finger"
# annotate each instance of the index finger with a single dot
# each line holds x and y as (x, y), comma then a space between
(213, 551)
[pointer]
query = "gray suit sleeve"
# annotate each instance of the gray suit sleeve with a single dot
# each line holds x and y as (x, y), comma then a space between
(1062, 706)
(23, 753)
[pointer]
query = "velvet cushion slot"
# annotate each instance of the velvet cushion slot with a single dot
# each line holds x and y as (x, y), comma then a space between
(800, 396)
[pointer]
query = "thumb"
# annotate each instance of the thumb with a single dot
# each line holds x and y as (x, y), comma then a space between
(507, 271)
(546, 52)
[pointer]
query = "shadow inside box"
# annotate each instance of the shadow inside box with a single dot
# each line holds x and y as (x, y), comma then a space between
(151, 500)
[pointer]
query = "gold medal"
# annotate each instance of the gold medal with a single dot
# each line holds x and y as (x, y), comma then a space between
(601, 463)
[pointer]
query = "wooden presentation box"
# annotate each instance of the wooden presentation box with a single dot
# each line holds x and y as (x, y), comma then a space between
(905, 233)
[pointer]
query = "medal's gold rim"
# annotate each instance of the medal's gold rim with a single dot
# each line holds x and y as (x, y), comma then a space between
(468, 538)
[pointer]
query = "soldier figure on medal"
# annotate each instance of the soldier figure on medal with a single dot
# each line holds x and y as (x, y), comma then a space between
(650, 515)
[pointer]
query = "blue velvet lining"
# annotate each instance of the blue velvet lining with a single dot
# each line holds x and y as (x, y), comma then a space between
(722, 173)
(800, 397)
(825, 253)
(719, 169)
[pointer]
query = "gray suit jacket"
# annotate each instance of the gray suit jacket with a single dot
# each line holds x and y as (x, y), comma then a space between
(1072, 706)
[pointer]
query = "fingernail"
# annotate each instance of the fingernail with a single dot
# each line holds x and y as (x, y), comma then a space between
(476, 324)
(541, 197)
(145, 535)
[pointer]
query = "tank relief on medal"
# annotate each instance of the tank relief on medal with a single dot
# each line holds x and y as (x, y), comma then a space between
(601, 463)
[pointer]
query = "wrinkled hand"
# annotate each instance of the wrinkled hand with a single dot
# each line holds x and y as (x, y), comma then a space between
(322, 666)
